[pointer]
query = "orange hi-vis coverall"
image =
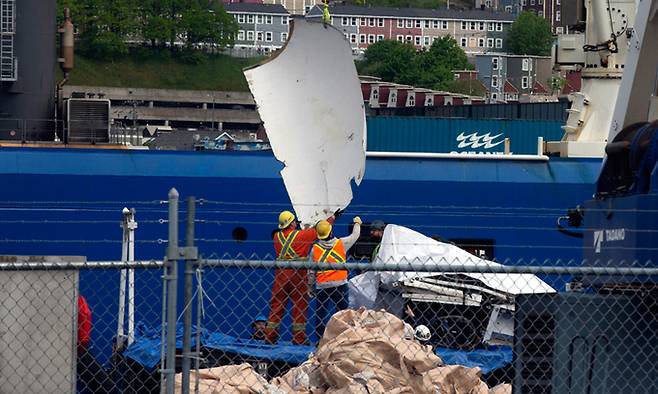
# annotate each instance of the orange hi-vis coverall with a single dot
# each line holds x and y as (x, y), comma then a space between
(290, 284)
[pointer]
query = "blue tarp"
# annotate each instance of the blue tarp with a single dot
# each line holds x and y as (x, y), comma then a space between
(487, 360)
(146, 350)
(282, 351)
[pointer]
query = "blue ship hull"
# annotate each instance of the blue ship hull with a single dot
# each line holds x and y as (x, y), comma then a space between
(69, 201)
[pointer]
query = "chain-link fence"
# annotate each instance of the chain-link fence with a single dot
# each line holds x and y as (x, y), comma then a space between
(396, 311)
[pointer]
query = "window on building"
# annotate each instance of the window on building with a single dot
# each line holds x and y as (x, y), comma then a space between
(268, 19)
(525, 64)
(353, 21)
(524, 2)
(499, 43)
(472, 42)
(482, 26)
(411, 102)
(380, 37)
(494, 82)
(240, 35)
(532, 2)
(559, 30)
(427, 24)
(456, 76)
(494, 96)
(418, 23)
(557, 15)
(375, 94)
(353, 38)
(540, 13)
(260, 19)
(508, 8)
(307, 8)
(417, 40)
(429, 100)
(494, 63)
(400, 23)
(250, 35)
(400, 38)
(241, 18)
(410, 23)
(557, 2)
(380, 22)
(409, 39)
(371, 21)
(499, 26)
(524, 83)
(371, 38)
(444, 25)
(284, 37)
(268, 36)
(540, 2)
(344, 21)
(259, 36)
(473, 26)
(250, 19)
(426, 41)
(490, 42)
(363, 21)
(284, 20)
(362, 38)
(464, 42)
(464, 25)
(491, 26)
(481, 43)
(435, 24)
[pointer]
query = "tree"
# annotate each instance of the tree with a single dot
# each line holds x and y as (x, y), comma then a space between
(392, 61)
(530, 35)
(437, 63)
(399, 62)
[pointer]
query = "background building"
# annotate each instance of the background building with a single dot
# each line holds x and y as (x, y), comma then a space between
(514, 77)
(477, 31)
(509, 6)
(295, 7)
(262, 27)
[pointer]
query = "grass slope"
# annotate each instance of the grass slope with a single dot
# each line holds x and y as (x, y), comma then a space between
(217, 72)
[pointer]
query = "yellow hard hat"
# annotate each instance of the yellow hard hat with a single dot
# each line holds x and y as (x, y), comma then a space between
(323, 229)
(285, 218)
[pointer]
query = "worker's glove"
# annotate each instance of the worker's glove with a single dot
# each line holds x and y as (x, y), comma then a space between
(338, 213)
(357, 220)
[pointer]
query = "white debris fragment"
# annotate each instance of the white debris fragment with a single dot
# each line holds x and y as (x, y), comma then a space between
(309, 98)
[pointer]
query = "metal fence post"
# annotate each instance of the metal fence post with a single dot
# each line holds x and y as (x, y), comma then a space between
(189, 281)
(172, 264)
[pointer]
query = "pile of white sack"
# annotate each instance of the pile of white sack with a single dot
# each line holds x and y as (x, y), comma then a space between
(362, 351)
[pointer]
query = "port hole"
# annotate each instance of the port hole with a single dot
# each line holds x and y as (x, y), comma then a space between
(239, 234)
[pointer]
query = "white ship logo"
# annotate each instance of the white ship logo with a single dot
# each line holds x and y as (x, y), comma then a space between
(475, 140)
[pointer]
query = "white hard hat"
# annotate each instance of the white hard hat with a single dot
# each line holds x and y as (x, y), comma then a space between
(422, 333)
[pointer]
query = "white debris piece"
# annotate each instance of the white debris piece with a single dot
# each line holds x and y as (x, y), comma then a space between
(309, 98)
(401, 244)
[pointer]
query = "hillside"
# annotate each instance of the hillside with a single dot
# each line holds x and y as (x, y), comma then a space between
(216, 72)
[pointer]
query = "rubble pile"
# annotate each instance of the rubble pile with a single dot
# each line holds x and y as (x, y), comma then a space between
(362, 351)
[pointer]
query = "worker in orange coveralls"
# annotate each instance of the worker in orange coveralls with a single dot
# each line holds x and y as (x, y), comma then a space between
(290, 284)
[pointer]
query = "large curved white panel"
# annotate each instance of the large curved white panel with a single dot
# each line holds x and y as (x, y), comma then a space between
(309, 98)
